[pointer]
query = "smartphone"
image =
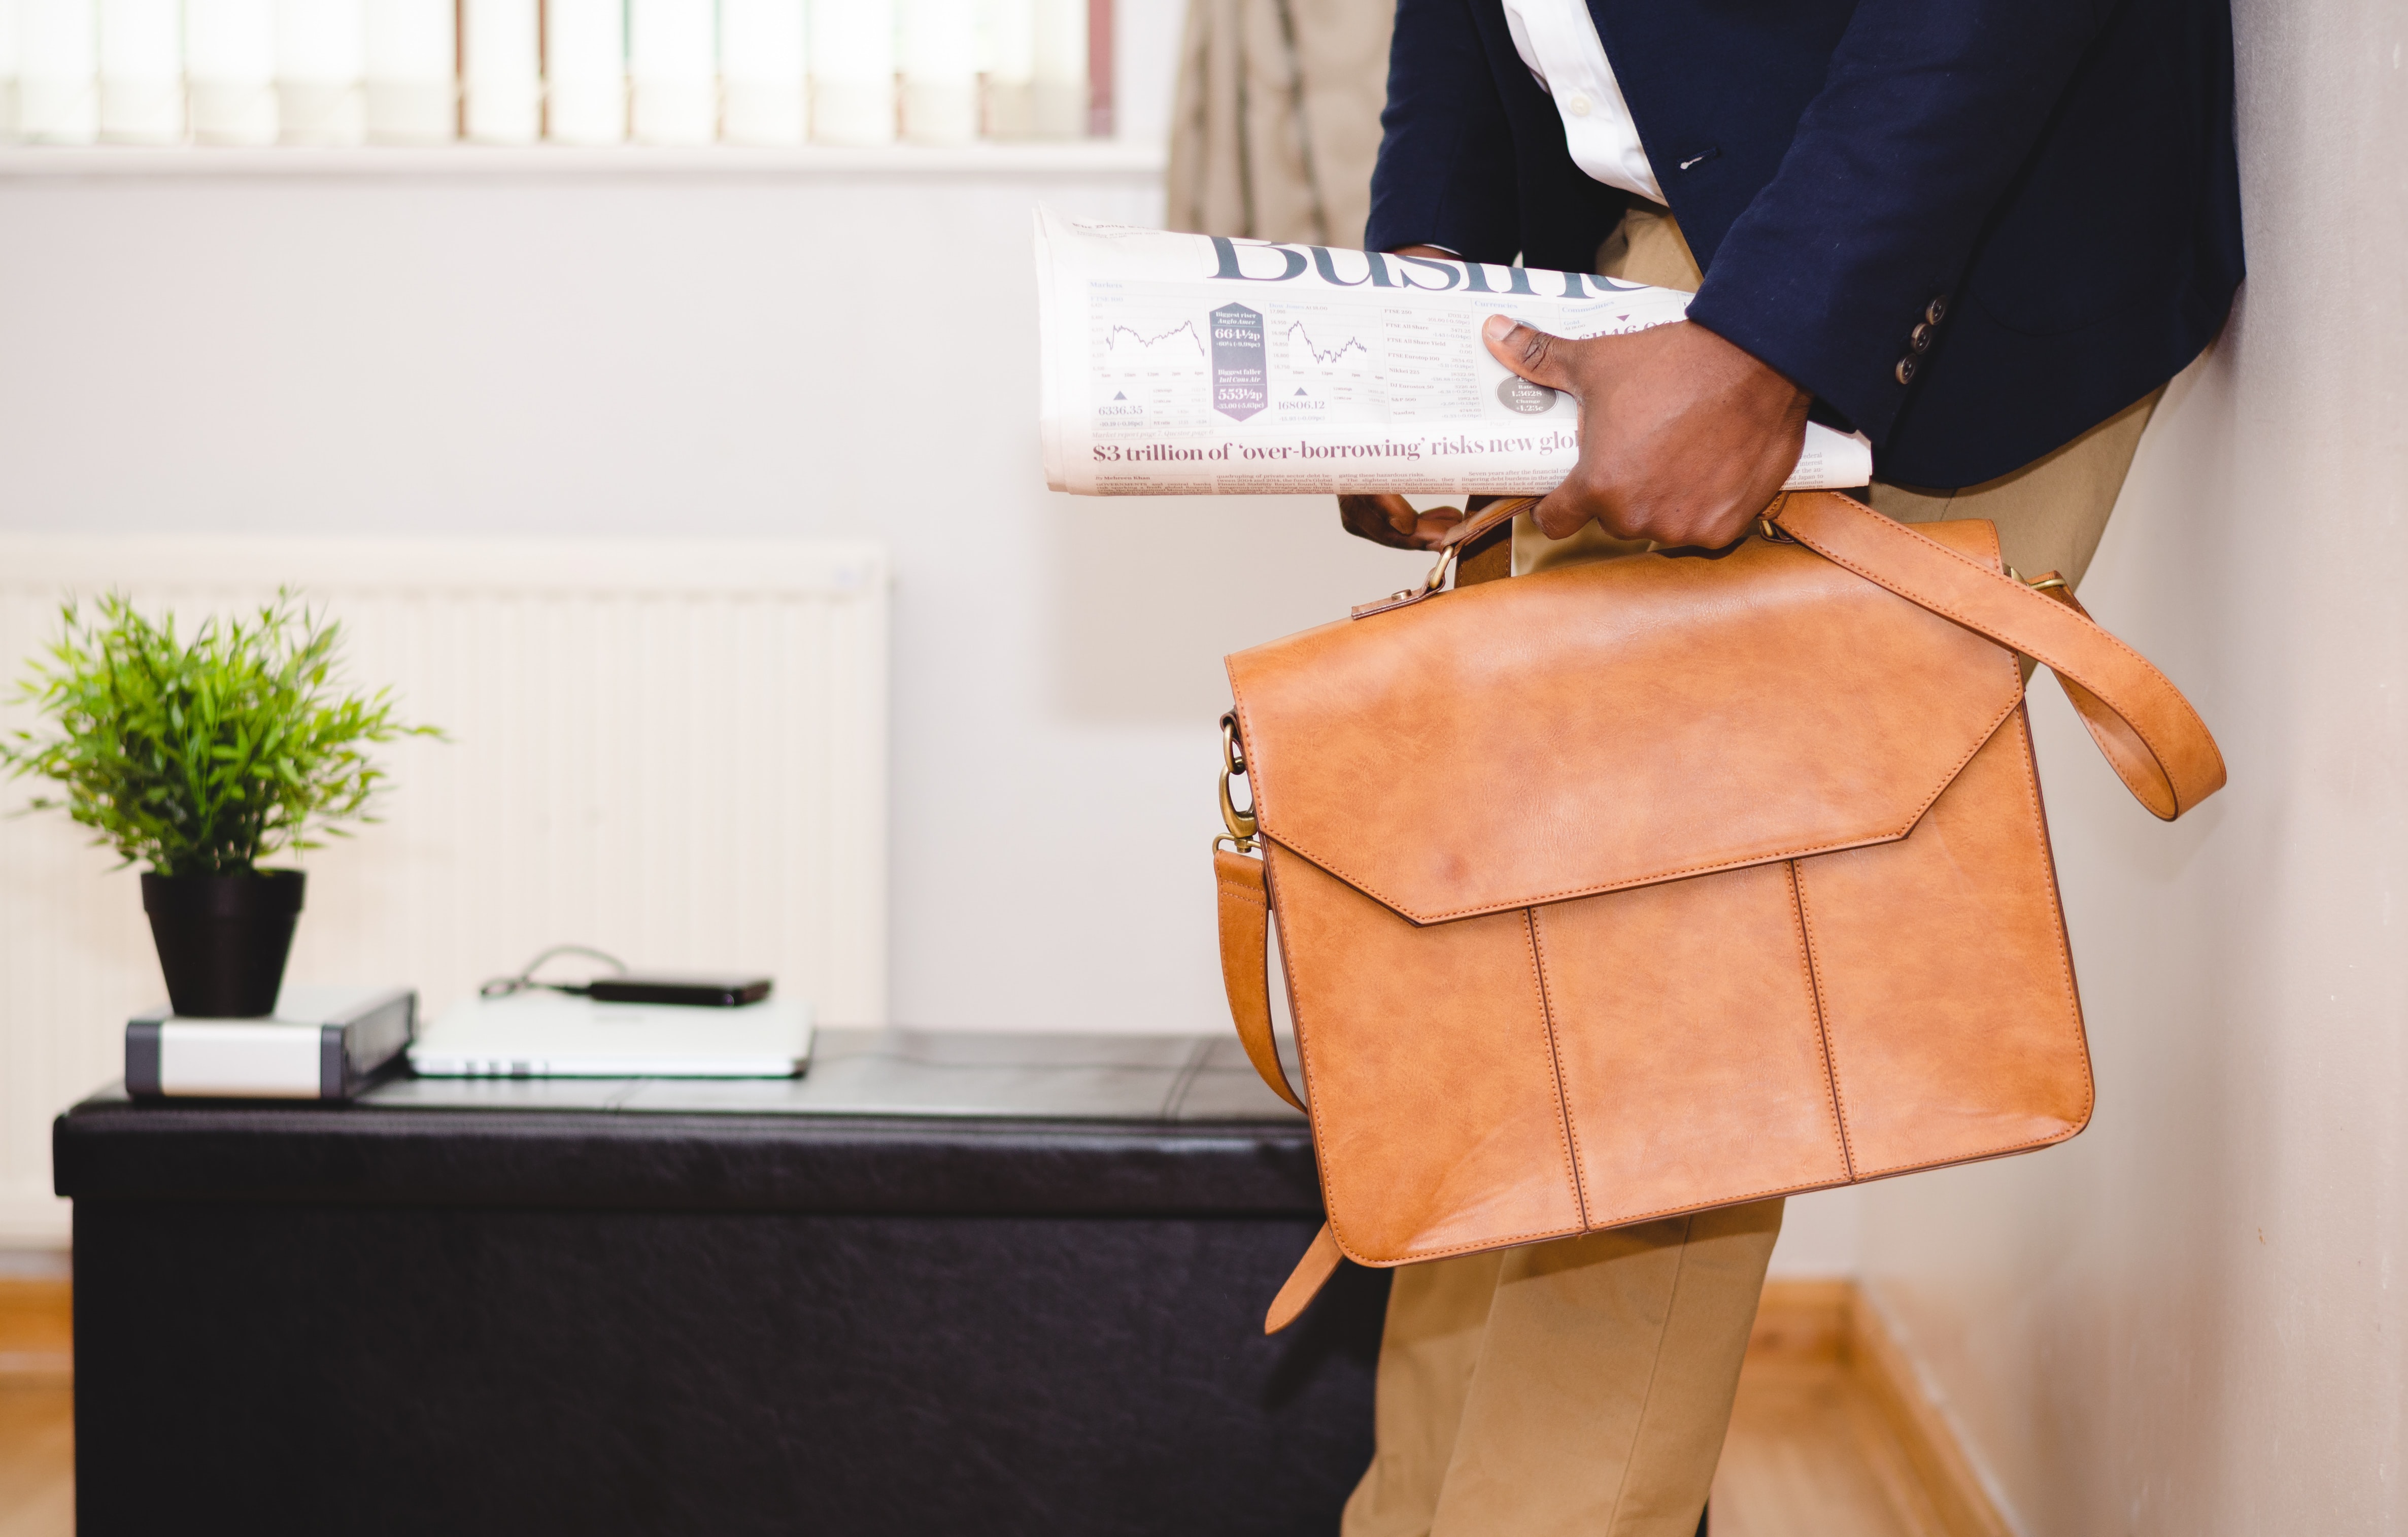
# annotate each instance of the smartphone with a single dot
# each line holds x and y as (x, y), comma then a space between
(698, 989)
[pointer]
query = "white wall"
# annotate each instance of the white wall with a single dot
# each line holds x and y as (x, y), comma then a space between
(710, 356)
(2193, 1319)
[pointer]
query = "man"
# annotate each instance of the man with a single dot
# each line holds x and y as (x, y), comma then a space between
(1985, 235)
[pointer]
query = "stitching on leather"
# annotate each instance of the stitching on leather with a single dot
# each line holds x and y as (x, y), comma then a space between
(1822, 1016)
(2065, 972)
(1304, 1069)
(1943, 607)
(1414, 1256)
(1765, 1194)
(1887, 527)
(2030, 771)
(1555, 1058)
(1329, 1185)
(1890, 527)
(2090, 1103)
(1263, 797)
(1450, 914)
(1658, 878)
(1255, 894)
(2000, 1151)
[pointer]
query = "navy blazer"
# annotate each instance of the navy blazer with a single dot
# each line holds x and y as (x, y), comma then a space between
(2055, 181)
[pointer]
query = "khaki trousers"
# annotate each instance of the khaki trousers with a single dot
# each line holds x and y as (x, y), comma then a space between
(1583, 1387)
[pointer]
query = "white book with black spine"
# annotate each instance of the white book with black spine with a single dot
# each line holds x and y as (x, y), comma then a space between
(322, 1043)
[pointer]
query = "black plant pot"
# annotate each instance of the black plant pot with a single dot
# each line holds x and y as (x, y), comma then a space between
(222, 938)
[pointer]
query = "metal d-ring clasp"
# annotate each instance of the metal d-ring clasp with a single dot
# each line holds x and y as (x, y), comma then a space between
(1239, 819)
(1437, 580)
(2037, 583)
(1445, 564)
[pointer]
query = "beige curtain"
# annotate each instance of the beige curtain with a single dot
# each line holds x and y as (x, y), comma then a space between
(1277, 118)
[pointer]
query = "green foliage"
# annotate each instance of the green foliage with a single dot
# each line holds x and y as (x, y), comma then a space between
(201, 758)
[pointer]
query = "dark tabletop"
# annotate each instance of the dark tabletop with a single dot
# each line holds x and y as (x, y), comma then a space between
(886, 1120)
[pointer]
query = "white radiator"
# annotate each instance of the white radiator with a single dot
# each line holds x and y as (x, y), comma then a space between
(674, 752)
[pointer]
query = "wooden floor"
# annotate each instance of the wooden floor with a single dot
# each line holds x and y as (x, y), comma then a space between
(1832, 1432)
(36, 1461)
(37, 1410)
(1819, 1446)
(1812, 1451)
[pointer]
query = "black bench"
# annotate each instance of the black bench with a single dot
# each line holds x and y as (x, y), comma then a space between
(949, 1283)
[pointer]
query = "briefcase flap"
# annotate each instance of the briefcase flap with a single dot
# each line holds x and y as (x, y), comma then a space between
(1616, 724)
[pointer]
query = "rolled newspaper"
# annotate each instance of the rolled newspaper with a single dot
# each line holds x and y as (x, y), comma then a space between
(1177, 363)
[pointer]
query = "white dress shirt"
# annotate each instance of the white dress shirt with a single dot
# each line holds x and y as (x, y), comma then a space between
(1557, 39)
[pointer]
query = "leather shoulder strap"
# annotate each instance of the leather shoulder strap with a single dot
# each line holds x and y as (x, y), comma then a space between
(1245, 963)
(1304, 1283)
(1245, 973)
(2151, 736)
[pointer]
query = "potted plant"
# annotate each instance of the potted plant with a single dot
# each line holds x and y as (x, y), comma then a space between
(201, 758)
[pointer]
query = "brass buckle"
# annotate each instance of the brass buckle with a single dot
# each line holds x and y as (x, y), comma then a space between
(1436, 579)
(1402, 597)
(1445, 568)
(1239, 819)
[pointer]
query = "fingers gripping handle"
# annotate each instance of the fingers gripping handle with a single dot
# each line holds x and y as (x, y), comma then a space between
(1449, 548)
(2149, 733)
(1476, 524)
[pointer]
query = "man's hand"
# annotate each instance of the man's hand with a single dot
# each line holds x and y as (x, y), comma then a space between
(1391, 520)
(1685, 437)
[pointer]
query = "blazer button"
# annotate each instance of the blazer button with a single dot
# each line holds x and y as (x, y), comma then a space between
(1937, 310)
(1906, 370)
(1921, 338)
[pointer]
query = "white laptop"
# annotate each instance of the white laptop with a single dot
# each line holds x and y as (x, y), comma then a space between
(554, 1035)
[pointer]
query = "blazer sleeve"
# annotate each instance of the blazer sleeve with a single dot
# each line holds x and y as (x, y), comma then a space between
(1445, 172)
(1929, 109)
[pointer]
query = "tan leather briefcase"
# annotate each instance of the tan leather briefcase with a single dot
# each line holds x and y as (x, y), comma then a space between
(1671, 882)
